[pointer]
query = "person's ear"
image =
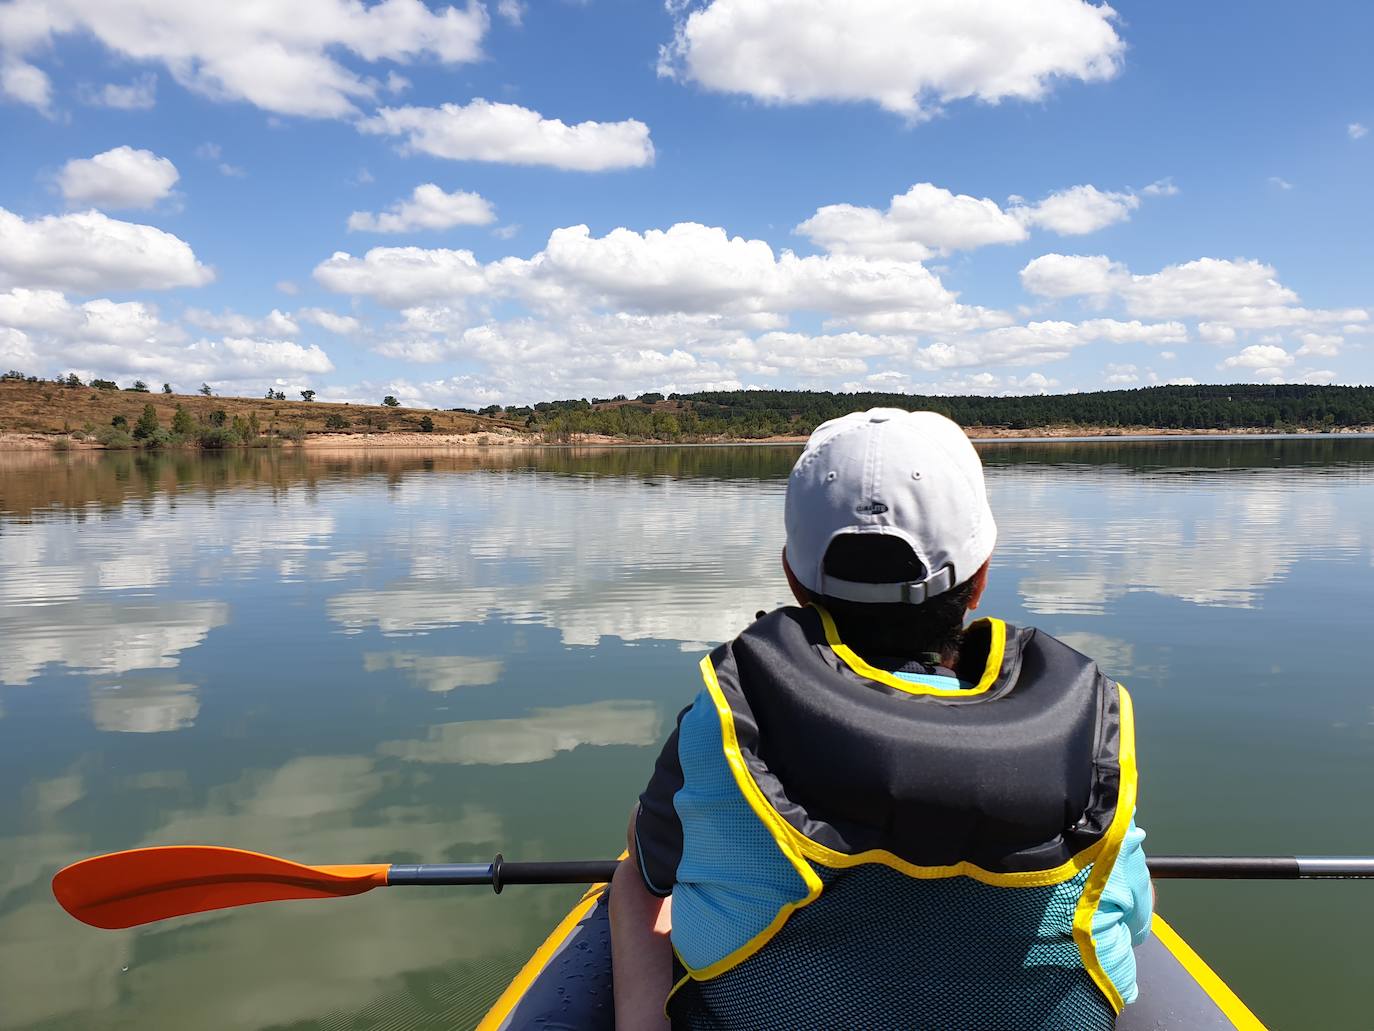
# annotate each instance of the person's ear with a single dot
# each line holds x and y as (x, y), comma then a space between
(980, 583)
(799, 592)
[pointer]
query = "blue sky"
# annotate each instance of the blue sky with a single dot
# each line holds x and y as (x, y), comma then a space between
(522, 201)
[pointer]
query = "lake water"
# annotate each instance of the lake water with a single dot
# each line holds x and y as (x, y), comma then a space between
(430, 657)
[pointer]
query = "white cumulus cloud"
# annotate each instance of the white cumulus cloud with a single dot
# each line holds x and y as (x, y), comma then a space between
(929, 220)
(90, 252)
(687, 268)
(99, 322)
(1079, 210)
(1216, 332)
(1120, 375)
(924, 221)
(1325, 345)
(1356, 131)
(1161, 188)
(428, 207)
(240, 358)
(138, 95)
(1045, 341)
(119, 178)
(909, 56)
(274, 324)
(113, 339)
(400, 276)
(331, 321)
(1236, 293)
(485, 131)
(25, 83)
(285, 63)
(1262, 361)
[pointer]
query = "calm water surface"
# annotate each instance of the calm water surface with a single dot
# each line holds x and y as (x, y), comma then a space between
(418, 657)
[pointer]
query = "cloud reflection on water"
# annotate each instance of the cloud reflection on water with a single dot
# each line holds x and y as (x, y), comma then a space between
(438, 673)
(634, 559)
(344, 954)
(533, 738)
(143, 707)
(317, 746)
(102, 637)
(1079, 540)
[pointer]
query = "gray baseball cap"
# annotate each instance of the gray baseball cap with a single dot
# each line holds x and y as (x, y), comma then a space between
(913, 475)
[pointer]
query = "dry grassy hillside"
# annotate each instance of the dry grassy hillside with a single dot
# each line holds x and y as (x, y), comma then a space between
(49, 408)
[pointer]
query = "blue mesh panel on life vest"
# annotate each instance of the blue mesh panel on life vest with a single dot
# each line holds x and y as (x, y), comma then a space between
(881, 950)
(732, 879)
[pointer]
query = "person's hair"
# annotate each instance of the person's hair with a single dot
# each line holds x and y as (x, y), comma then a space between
(894, 629)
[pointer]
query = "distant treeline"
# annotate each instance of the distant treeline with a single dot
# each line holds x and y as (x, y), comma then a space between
(751, 414)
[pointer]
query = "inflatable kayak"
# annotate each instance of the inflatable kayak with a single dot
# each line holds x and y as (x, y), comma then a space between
(566, 985)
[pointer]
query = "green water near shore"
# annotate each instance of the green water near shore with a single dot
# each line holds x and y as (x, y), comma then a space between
(432, 656)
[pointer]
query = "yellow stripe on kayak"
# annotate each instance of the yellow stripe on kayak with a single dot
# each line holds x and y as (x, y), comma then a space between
(1208, 980)
(530, 972)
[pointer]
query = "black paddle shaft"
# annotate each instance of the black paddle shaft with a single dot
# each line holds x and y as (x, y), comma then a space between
(1263, 868)
(498, 873)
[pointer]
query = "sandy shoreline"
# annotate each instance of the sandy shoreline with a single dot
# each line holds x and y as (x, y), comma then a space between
(10, 442)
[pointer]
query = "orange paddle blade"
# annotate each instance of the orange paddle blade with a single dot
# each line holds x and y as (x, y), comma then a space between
(125, 889)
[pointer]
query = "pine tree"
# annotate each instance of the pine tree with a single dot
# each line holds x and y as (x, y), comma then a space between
(147, 423)
(182, 423)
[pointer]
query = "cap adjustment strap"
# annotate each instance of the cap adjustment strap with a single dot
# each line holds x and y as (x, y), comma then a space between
(912, 593)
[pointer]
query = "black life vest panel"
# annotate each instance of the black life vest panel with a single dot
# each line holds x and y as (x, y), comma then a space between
(862, 851)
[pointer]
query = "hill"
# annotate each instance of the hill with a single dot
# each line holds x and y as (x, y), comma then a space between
(757, 414)
(47, 408)
(51, 410)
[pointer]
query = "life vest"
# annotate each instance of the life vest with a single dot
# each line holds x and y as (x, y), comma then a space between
(860, 851)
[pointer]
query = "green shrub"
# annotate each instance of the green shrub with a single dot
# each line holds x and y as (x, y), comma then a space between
(335, 421)
(61, 444)
(115, 439)
(161, 438)
(295, 434)
(119, 423)
(104, 384)
(426, 425)
(214, 438)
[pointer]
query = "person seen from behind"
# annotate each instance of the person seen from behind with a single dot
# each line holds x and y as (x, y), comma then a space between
(874, 815)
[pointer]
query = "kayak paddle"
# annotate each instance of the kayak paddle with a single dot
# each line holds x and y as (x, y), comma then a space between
(125, 889)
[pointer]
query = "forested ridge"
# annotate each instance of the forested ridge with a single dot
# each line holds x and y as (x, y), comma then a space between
(752, 414)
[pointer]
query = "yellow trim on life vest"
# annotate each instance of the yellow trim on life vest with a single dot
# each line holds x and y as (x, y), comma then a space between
(1111, 842)
(770, 818)
(1207, 979)
(673, 990)
(996, 648)
(798, 847)
(534, 966)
